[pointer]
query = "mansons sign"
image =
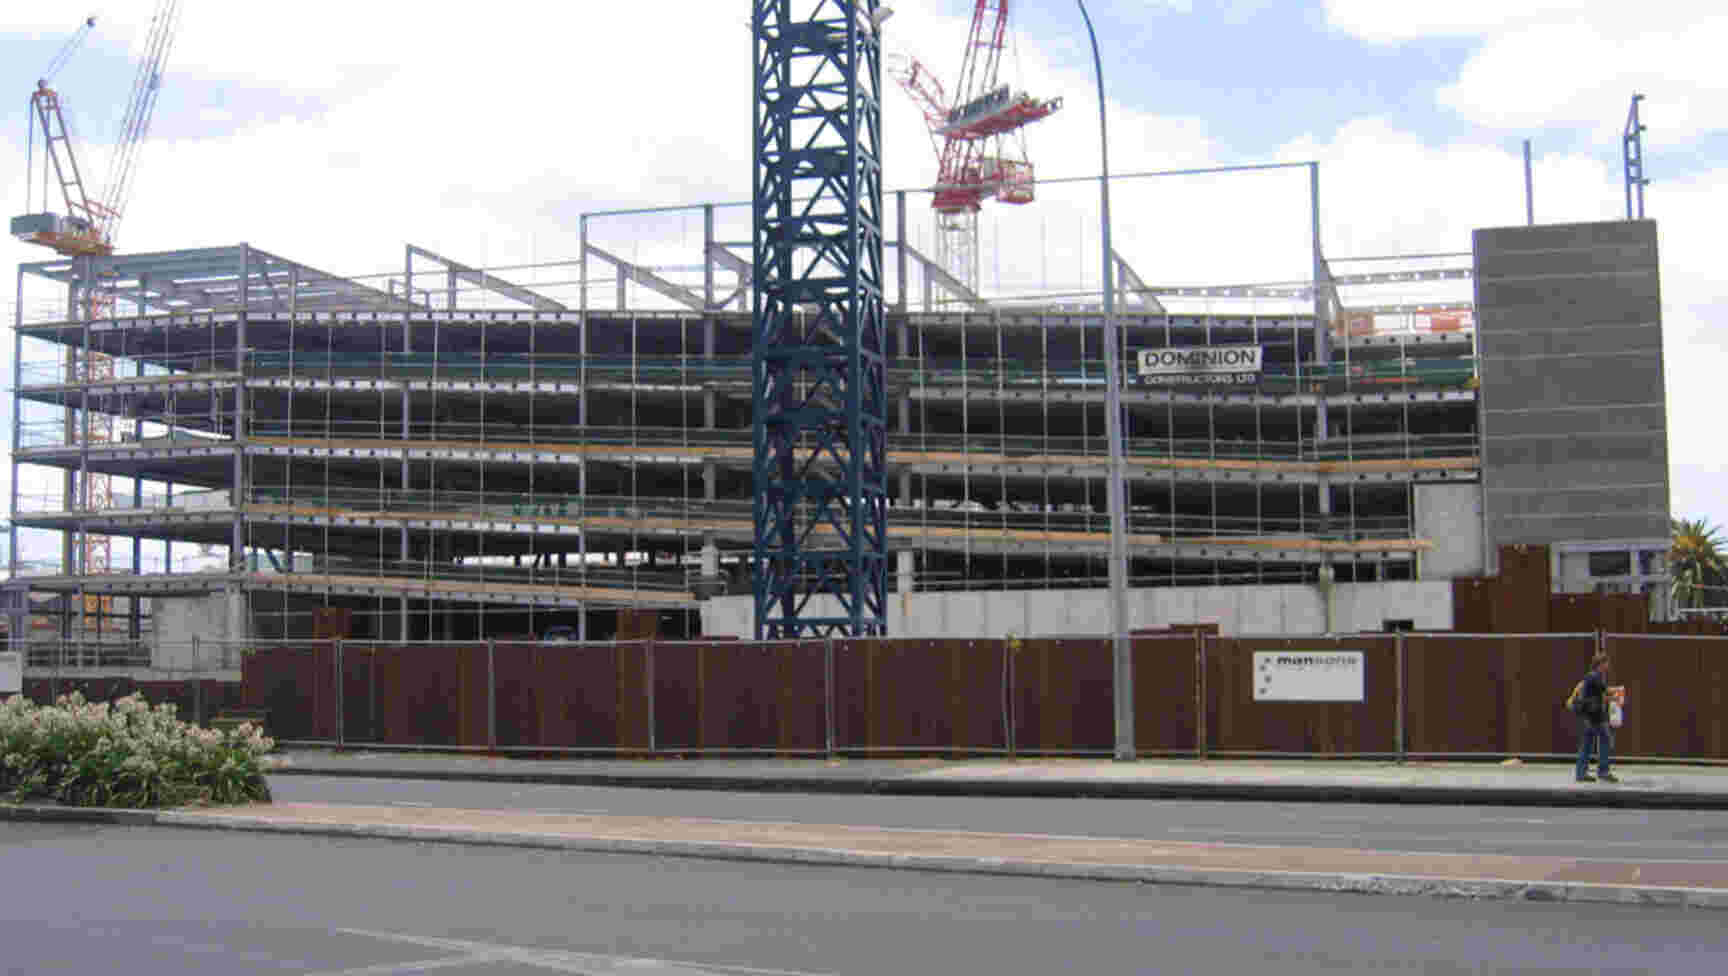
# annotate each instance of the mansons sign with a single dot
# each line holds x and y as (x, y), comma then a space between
(1311, 676)
(1200, 365)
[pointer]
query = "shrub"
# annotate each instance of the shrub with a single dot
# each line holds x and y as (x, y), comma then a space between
(125, 754)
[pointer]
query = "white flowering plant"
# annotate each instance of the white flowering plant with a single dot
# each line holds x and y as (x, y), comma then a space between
(127, 753)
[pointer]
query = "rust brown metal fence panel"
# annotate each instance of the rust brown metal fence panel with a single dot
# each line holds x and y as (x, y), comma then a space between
(1028, 669)
(977, 683)
(1454, 693)
(577, 694)
(908, 694)
(802, 715)
(679, 697)
(1061, 710)
(1492, 695)
(853, 660)
(1540, 672)
(296, 684)
(1237, 723)
(1674, 694)
(516, 703)
(739, 696)
(1713, 687)
(1088, 673)
(631, 708)
(359, 698)
(1444, 695)
(1166, 694)
(419, 689)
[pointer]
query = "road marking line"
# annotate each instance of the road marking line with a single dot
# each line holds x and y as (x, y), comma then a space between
(420, 966)
(576, 963)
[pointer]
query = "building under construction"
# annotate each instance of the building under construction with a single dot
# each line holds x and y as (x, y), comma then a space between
(227, 444)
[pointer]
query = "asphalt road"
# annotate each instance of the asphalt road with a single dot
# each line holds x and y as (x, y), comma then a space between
(144, 901)
(1651, 834)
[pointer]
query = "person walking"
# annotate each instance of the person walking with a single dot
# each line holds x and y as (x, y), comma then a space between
(1594, 732)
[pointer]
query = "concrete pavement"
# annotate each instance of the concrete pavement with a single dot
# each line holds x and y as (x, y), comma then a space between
(193, 902)
(1549, 784)
(1620, 880)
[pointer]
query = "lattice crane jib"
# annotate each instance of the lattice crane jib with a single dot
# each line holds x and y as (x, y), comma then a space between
(819, 353)
(91, 222)
(79, 232)
(87, 232)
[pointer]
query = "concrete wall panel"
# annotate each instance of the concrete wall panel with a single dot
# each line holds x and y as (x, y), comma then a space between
(1574, 424)
(1608, 339)
(1450, 517)
(1573, 421)
(1237, 610)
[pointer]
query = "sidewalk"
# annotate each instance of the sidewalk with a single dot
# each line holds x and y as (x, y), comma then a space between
(1532, 878)
(1337, 781)
(1620, 880)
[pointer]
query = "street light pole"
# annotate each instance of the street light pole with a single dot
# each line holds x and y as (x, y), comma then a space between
(1121, 657)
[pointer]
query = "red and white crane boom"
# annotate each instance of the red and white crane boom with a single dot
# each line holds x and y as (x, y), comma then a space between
(971, 132)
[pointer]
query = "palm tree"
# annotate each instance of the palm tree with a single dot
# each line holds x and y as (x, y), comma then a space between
(1696, 564)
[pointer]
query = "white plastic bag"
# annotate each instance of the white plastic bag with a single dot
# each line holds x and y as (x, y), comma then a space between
(1616, 714)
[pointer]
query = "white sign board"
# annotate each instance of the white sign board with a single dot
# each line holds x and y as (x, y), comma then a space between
(1200, 365)
(11, 672)
(1308, 676)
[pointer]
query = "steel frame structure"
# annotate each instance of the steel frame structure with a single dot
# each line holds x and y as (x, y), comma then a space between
(612, 447)
(1632, 150)
(819, 338)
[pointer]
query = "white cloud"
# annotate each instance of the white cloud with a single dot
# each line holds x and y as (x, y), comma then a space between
(1551, 63)
(1385, 190)
(1577, 73)
(1393, 21)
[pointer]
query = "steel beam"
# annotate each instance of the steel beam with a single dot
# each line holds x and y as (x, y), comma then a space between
(649, 280)
(1129, 282)
(487, 281)
(935, 273)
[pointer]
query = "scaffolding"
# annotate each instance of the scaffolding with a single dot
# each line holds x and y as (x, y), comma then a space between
(447, 451)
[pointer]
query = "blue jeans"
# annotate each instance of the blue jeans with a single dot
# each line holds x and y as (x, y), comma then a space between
(1599, 737)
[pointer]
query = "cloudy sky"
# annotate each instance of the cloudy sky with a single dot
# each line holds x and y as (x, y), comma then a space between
(333, 133)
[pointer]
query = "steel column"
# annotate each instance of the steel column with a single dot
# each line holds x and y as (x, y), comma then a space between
(1529, 189)
(17, 432)
(1632, 149)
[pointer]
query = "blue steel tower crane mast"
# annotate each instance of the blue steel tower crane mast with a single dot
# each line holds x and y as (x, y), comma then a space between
(819, 355)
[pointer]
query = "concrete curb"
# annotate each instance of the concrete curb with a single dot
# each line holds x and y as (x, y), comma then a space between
(1589, 797)
(1371, 884)
(49, 813)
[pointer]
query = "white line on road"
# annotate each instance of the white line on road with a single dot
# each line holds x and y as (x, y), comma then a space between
(576, 963)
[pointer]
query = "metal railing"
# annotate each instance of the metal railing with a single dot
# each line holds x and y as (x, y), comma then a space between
(91, 654)
(166, 660)
(686, 515)
(982, 373)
